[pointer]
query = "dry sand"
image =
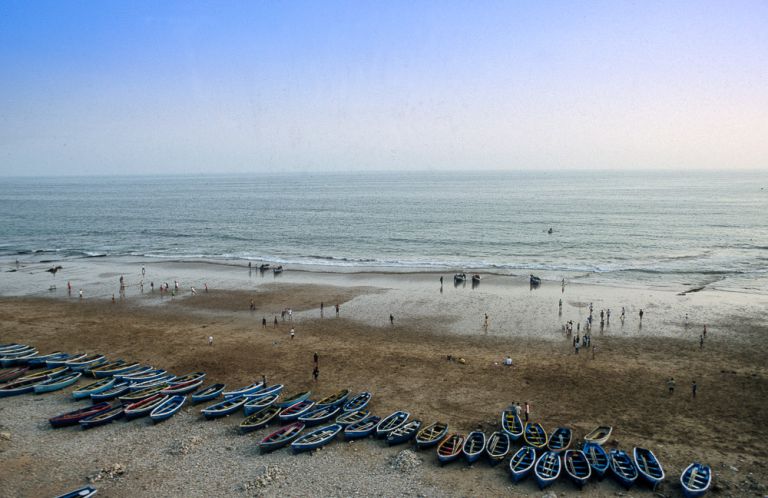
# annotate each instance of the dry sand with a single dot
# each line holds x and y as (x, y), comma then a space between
(405, 367)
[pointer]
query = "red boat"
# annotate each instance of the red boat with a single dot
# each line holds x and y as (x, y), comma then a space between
(13, 373)
(72, 418)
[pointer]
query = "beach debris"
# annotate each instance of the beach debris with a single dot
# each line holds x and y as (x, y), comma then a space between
(406, 461)
(185, 446)
(549, 494)
(265, 475)
(114, 471)
(5, 436)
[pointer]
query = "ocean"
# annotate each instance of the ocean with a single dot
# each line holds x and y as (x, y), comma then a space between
(680, 230)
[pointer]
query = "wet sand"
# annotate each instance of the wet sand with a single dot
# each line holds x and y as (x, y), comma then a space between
(405, 365)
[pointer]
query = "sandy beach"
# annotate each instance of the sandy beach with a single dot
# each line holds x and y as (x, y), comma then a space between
(404, 364)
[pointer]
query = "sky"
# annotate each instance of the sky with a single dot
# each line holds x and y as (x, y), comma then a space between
(144, 87)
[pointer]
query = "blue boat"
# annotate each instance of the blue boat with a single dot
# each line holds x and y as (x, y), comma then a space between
(315, 439)
(622, 467)
(128, 370)
(254, 405)
(391, 422)
(431, 435)
(294, 398)
(296, 410)
(114, 370)
(145, 406)
(223, 408)
(152, 382)
(117, 389)
(535, 435)
(183, 387)
(334, 399)
(260, 419)
(547, 468)
(648, 466)
(696, 480)
(276, 389)
(560, 439)
(207, 394)
(450, 448)
(281, 437)
(319, 415)
(357, 402)
(598, 459)
(363, 428)
(21, 386)
(511, 424)
(522, 462)
(84, 492)
(39, 360)
(498, 447)
(404, 433)
(22, 356)
(57, 362)
(474, 446)
(168, 408)
(87, 362)
(106, 417)
(250, 389)
(348, 418)
(577, 467)
(73, 417)
(104, 366)
(57, 383)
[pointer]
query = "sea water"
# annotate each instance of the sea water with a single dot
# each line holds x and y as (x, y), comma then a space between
(690, 229)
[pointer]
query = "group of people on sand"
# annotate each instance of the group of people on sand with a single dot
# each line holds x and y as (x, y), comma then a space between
(523, 412)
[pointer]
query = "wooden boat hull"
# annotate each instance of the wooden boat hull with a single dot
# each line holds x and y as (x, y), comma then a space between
(73, 417)
(207, 394)
(90, 362)
(281, 437)
(103, 418)
(497, 449)
(474, 446)
(348, 418)
(696, 480)
(260, 419)
(183, 387)
(648, 466)
(357, 402)
(560, 439)
(512, 424)
(93, 388)
(13, 374)
(223, 408)
(255, 405)
(362, 429)
(243, 391)
(101, 373)
(57, 383)
(319, 415)
(577, 467)
(136, 396)
(392, 422)
(535, 435)
(295, 398)
(117, 389)
(335, 399)
(84, 492)
(598, 459)
(58, 362)
(21, 386)
(522, 462)
(622, 468)
(431, 435)
(599, 435)
(547, 469)
(296, 410)
(316, 439)
(144, 407)
(450, 449)
(405, 433)
(168, 408)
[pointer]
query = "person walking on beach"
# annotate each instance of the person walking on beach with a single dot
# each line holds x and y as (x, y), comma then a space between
(143, 271)
(292, 333)
(671, 385)
(701, 342)
(152, 286)
(485, 324)
(81, 293)
(321, 307)
(263, 322)
(441, 280)
(560, 307)
(693, 389)
(594, 350)
(263, 380)
(641, 315)
(391, 319)
(253, 305)
(686, 320)
(705, 331)
(315, 373)
(275, 326)
(527, 411)
(316, 359)
(205, 286)
(69, 291)
(608, 317)
(337, 309)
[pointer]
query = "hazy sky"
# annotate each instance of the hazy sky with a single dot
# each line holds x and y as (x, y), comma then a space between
(168, 87)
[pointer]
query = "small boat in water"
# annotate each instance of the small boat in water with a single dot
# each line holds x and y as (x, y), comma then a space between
(450, 448)
(278, 269)
(167, 408)
(459, 278)
(315, 439)
(696, 480)
(363, 428)
(648, 466)
(348, 418)
(57, 383)
(357, 402)
(223, 408)
(560, 439)
(512, 424)
(547, 469)
(281, 437)
(73, 417)
(535, 435)
(497, 449)
(391, 422)
(103, 418)
(522, 462)
(598, 459)
(260, 419)
(623, 468)
(206, 394)
(599, 435)
(474, 446)
(84, 492)
(431, 435)
(577, 467)
(404, 433)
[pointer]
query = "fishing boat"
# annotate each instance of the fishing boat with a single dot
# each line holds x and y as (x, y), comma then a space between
(167, 408)
(223, 408)
(121, 372)
(103, 418)
(547, 468)
(17, 358)
(183, 387)
(40, 359)
(535, 435)
(499, 445)
(319, 415)
(249, 389)
(391, 422)
(254, 405)
(335, 399)
(460, 277)
(21, 386)
(278, 269)
(560, 439)
(296, 410)
(260, 419)
(348, 418)
(104, 366)
(136, 396)
(599, 435)
(577, 467)
(119, 388)
(648, 466)
(145, 406)
(208, 393)
(51, 372)
(161, 380)
(474, 446)
(363, 428)
(431, 435)
(84, 492)
(144, 375)
(404, 433)
(696, 480)
(11, 347)
(57, 383)
(315, 439)
(597, 458)
(522, 462)
(189, 377)
(622, 467)
(294, 398)
(12, 374)
(281, 437)
(357, 402)
(73, 417)
(512, 424)
(267, 391)
(88, 361)
(450, 448)
(57, 362)
(265, 266)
